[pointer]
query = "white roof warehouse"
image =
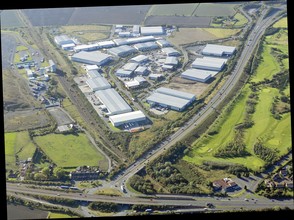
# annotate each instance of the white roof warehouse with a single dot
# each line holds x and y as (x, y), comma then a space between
(136, 116)
(218, 50)
(170, 98)
(114, 103)
(93, 57)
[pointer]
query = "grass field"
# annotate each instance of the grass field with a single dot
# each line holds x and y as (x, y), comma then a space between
(242, 20)
(10, 150)
(173, 9)
(24, 147)
(59, 215)
(282, 23)
(192, 35)
(215, 9)
(69, 150)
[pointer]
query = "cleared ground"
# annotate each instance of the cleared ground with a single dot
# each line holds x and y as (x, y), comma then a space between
(60, 116)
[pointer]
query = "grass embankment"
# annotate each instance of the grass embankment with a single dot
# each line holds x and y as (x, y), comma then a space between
(275, 134)
(59, 215)
(69, 150)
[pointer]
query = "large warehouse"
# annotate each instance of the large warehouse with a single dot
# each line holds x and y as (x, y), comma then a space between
(218, 50)
(98, 83)
(122, 51)
(170, 98)
(136, 116)
(93, 57)
(114, 103)
(62, 40)
(198, 74)
(86, 47)
(208, 63)
(134, 40)
(140, 59)
(154, 30)
(146, 46)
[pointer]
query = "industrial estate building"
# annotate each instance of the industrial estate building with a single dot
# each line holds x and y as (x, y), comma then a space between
(198, 74)
(140, 59)
(135, 116)
(93, 57)
(218, 50)
(63, 40)
(122, 51)
(114, 103)
(154, 30)
(170, 98)
(208, 63)
(146, 46)
(169, 51)
(98, 83)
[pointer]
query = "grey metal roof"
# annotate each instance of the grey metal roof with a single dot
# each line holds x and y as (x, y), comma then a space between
(123, 72)
(147, 45)
(93, 57)
(152, 30)
(171, 61)
(168, 100)
(63, 39)
(121, 50)
(206, 63)
(198, 74)
(163, 43)
(93, 73)
(175, 93)
(129, 116)
(98, 83)
(130, 66)
(170, 51)
(218, 49)
(113, 101)
(140, 58)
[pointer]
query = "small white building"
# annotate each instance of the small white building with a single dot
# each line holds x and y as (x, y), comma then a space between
(68, 47)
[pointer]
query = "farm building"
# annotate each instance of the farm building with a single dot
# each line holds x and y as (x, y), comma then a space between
(142, 70)
(86, 47)
(171, 99)
(52, 66)
(114, 103)
(163, 43)
(218, 50)
(98, 83)
(169, 51)
(136, 116)
(140, 59)
(93, 57)
(124, 73)
(93, 74)
(154, 30)
(209, 63)
(106, 44)
(146, 46)
(198, 74)
(62, 40)
(130, 66)
(122, 51)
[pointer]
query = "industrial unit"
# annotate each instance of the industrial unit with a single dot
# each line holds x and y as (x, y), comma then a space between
(106, 44)
(140, 59)
(163, 43)
(218, 50)
(154, 30)
(199, 75)
(135, 83)
(93, 74)
(114, 103)
(122, 51)
(130, 66)
(134, 40)
(93, 57)
(135, 116)
(208, 63)
(146, 46)
(170, 98)
(142, 70)
(173, 61)
(86, 47)
(52, 67)
(169, 51)
(124, 73)
(98, 83)
(62, 40)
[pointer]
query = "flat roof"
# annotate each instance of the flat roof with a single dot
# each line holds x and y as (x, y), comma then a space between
(125, 117)
(141, 69)
(146, 45)
(169, 50)
(218, 49)
(140, 79)
(176, 93)
(113, 101)
(123, 72)
(92, 56)
(168, 100)
(106, 43)
(152, 30)
(171, 60)
(121, 50)
(93, 73)
(199, 73)
(98, 83)
(205, 62)
(140, 58)
(130, 66)
(163, 43)
(132, 83)
(86, 46)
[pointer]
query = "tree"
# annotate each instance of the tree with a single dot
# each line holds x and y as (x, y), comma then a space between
(46, 171)
(60, 173)
(40, 176)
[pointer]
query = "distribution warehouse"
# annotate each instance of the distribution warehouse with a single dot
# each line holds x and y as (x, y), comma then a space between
(198, 74)
(122, 51)
(114, 103)
(218, 50)
(136, 116)
(94, 57)
(209, 63)
(170, 98)
(98, 83)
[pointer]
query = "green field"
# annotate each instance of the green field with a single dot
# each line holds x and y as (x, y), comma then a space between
(242, 20)
(18, 143)
(173, 9)
(215, 9)
(282, 23)
(69, 150)
(59, 215)
(222, 32)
